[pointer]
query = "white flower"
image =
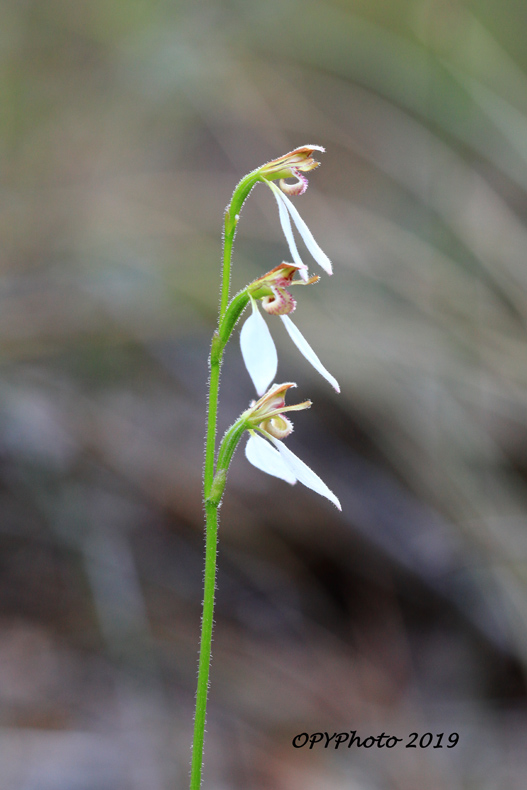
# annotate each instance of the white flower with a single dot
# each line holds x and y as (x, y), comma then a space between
(266, 416)
(257, 346)
(294, 165)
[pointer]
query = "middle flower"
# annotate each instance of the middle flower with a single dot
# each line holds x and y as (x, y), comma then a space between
(257, 346)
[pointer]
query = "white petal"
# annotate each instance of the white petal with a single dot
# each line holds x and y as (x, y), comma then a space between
(261, 455)
(320, 256)
(303, 473)
(258, 351)
(288, 230)
(303, 346)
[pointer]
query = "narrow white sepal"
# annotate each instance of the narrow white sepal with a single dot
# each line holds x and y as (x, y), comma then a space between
(318, 254)
(285, 222)
(258, 351)
(303, 473)
(264, 457)
(305, 349)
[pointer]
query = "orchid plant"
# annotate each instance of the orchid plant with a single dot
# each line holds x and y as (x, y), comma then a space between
(264, 420)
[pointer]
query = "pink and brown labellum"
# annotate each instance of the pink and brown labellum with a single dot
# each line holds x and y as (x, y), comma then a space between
(280, 303)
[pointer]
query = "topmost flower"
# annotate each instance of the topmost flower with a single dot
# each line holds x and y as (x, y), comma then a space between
(294, 165)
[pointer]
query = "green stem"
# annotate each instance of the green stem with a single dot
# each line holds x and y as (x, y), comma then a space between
(232, 216)
(212, 503)
(212, 406)
(213, 487)
(211, 511)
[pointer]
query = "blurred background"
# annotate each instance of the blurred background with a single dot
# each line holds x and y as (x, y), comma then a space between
(125, 127)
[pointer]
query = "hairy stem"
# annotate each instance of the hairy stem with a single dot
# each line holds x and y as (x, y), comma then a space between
(211, 511)
(212, 413)
(228, 316)
(232, 216)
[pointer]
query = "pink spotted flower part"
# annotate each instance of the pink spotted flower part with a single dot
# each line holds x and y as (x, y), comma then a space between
(292, 165)
(272, 291)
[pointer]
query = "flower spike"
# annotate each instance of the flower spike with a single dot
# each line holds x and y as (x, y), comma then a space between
(266, 420)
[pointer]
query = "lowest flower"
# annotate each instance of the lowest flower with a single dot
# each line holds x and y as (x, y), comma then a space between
(268, 427)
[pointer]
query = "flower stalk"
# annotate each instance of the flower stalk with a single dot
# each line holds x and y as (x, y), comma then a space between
(214, 485)
(232, 217)
(264, 420)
